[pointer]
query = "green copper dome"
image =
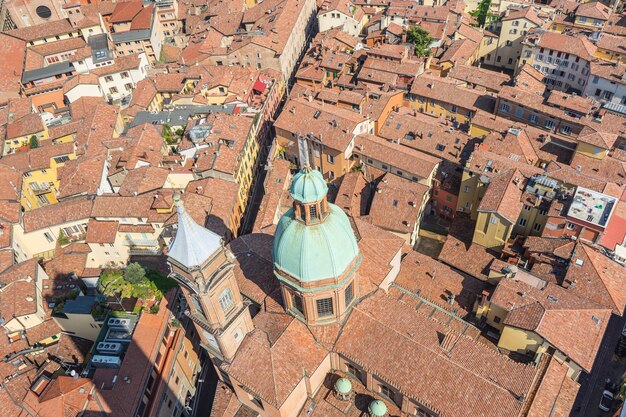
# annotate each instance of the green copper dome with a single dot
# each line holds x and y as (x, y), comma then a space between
(308, 185)
(377, 408)
(343, 385)
(317, 251)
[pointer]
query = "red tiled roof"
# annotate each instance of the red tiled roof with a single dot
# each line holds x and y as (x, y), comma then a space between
(11, 66)
(574, 325)
(56, 214)
(101, 231)
(19, 296)
(503, 195)
(492, 383)
(272, 370)
(556, 393)
(598, 278)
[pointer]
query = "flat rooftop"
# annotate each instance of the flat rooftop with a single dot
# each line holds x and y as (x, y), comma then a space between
(591, 207)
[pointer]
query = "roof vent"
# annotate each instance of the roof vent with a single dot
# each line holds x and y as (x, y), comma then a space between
(579, 262)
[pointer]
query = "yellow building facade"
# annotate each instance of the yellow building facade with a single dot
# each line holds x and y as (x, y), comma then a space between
(492, 231)
(441, 109)
(39, 187)
(591, 151)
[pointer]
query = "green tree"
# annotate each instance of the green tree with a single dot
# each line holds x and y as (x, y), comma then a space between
(135, 273)
(167, 134)
(33, 142)
(421, 40)
(63, 240)
(482, 13)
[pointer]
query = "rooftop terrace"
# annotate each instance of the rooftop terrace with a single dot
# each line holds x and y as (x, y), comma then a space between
(591, 207)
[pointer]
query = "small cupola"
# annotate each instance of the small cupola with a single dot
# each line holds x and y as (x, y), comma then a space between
(377, 408)
(343, 389)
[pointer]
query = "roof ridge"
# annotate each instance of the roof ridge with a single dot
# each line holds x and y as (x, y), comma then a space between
(275, 391)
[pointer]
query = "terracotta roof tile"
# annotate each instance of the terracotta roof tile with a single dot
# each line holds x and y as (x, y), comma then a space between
(573, 45)
(353, 194)
(142, 180)
(503, 195)
(493, 382)
(401, 157)
(437, 281)
(101, 231)
(556, 393)
(56, 214)
(479, 76)
(449, 91)
(572, 324)
(272, 370)
(599, 278)
(81, 176)
(11, 66)
(18, 296)
(397, 203)
(594, 10)
(27, 125)
(42, 30)
(298, 117)
(459, 252)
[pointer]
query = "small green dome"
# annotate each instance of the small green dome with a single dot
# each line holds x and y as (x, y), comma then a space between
(317, 251)
(377, 408)
(308, 186)
(343, 385)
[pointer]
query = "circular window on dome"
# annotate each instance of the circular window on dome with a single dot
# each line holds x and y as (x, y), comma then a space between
(44, 12)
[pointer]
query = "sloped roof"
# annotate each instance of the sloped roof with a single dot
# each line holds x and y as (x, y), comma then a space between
(412, 347)
(598, 278)
(573, 324)
(503, 195)
(272, 369)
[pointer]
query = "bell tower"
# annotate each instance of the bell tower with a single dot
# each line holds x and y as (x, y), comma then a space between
(204, 267)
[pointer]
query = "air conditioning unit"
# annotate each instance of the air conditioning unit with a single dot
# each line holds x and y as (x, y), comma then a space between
(109, 347)
(101, 361)
(119, 323)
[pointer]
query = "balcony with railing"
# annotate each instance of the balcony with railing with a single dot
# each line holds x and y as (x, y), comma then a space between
(143, 246)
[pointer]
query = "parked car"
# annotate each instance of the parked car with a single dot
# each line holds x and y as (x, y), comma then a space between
(606, 402)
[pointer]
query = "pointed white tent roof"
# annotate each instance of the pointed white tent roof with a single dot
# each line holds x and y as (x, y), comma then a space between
(193, 243)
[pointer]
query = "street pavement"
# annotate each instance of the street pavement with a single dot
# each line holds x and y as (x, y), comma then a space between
(205, 391)
(607, 365)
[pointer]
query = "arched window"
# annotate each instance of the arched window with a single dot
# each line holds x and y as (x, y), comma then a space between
(227, 301)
